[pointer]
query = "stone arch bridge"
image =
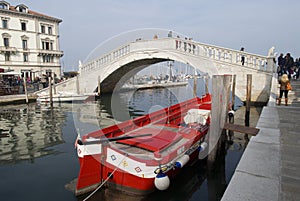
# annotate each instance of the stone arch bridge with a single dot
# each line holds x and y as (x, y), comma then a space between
(126, 60)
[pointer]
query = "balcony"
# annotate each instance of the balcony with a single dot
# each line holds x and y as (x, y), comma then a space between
(55, 53)
(5, 49)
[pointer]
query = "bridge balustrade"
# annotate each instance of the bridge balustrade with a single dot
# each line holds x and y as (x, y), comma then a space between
(185, 46)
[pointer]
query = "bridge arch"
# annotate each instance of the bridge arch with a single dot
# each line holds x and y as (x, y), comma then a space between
(134, 56)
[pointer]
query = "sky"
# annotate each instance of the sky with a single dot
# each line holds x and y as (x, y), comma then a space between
(256, 25)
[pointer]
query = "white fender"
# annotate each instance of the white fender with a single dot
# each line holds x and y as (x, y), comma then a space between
(203, 150)
(180, 162)
(162, 181)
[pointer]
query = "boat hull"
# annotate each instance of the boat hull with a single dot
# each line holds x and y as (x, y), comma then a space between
(119, 180)
(58, 98)
(141, 164)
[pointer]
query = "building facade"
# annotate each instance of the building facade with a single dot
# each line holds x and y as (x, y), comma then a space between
(29, 41)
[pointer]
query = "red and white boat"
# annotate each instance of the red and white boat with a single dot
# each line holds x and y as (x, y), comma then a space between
(143, 154)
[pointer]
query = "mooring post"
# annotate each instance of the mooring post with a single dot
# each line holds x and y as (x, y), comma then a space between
(221, 86)
(77, 85)
(233, 91)
(50, 90)
(53, 81)
(248, 99)
(206, 85)
(195, 85)
(99, 85)
(25, 89)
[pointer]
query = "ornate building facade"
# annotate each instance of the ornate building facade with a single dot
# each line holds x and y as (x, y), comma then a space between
(29, 41)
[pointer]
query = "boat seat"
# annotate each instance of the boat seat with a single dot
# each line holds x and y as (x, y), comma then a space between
(159, 140)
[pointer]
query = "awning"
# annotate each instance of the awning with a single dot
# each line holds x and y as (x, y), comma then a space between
(11, 73)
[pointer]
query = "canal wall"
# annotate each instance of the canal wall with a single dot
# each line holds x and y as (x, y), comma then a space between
(16, 99)
(269, 167)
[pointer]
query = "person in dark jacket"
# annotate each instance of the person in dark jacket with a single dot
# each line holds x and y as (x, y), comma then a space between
(288, 64)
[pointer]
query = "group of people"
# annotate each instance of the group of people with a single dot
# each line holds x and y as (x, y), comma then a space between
(287, 69)
(287, 65)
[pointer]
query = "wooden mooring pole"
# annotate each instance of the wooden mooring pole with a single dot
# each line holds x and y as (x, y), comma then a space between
(233, 92)
(195, 85)
(248, 99)
(206, 85)
(99, 85)
(50, 90)
(53, 84)
(77, 85)
(25, 89)
(220, 101)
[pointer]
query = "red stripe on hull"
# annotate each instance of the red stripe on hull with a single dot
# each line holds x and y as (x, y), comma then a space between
(92, 173)
(90, 169)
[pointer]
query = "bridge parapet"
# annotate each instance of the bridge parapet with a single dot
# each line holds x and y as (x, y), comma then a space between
(218, 54)
(226, 55)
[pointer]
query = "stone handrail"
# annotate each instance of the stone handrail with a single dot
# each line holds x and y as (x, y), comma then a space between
(219, 54)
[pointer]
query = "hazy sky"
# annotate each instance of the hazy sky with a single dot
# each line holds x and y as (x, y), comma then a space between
(256, 25)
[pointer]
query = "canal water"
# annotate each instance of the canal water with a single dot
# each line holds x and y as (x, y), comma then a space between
(38, 160)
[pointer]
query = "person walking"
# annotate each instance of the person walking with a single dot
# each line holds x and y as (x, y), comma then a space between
(284, 88)
(288, 64)
(242, 56)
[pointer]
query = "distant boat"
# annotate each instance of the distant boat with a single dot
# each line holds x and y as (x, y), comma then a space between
(140, 155)
(62, 97)
(153, 84)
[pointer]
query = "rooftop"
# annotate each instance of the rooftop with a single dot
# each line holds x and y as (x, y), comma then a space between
(23, 9)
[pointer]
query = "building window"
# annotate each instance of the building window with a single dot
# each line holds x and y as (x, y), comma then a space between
(7, 56)
(3, 6)
(23, 26)
(47, 59)
(24, 44)
(4, 24)
(42, 28)
(25, 57)
(50, 30)
(22, 8)
(45, 45)
(6, 42)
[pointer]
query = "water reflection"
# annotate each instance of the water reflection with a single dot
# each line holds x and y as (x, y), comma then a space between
(30, 131)
(44, 137)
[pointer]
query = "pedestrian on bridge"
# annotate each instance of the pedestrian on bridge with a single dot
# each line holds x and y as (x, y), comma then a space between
(284, 88)
(243, 56)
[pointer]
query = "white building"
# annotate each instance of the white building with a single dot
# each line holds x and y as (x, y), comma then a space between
(29, 41)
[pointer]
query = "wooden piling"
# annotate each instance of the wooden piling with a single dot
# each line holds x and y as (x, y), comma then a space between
(53, 84)
(77, 85)
(248, 99)
(99, 85)
(206, 85)
(233, 91)
(50, 90)
(220, 101)
(25, 89)
(195, 85)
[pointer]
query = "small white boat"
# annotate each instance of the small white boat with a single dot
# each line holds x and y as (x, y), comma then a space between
(62, 97)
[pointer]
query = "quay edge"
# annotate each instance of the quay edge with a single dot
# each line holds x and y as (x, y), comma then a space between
(266, 170)
(17, 99)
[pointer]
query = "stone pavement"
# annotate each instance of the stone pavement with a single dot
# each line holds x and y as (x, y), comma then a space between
(270, 166)
(289, 118)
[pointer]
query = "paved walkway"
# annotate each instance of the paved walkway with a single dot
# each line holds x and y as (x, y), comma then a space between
(270, 166)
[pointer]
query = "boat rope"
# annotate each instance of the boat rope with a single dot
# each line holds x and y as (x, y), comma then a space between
(110, 175)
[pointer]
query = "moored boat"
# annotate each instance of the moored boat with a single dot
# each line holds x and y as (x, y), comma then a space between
(143, 154)
(61, 97)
